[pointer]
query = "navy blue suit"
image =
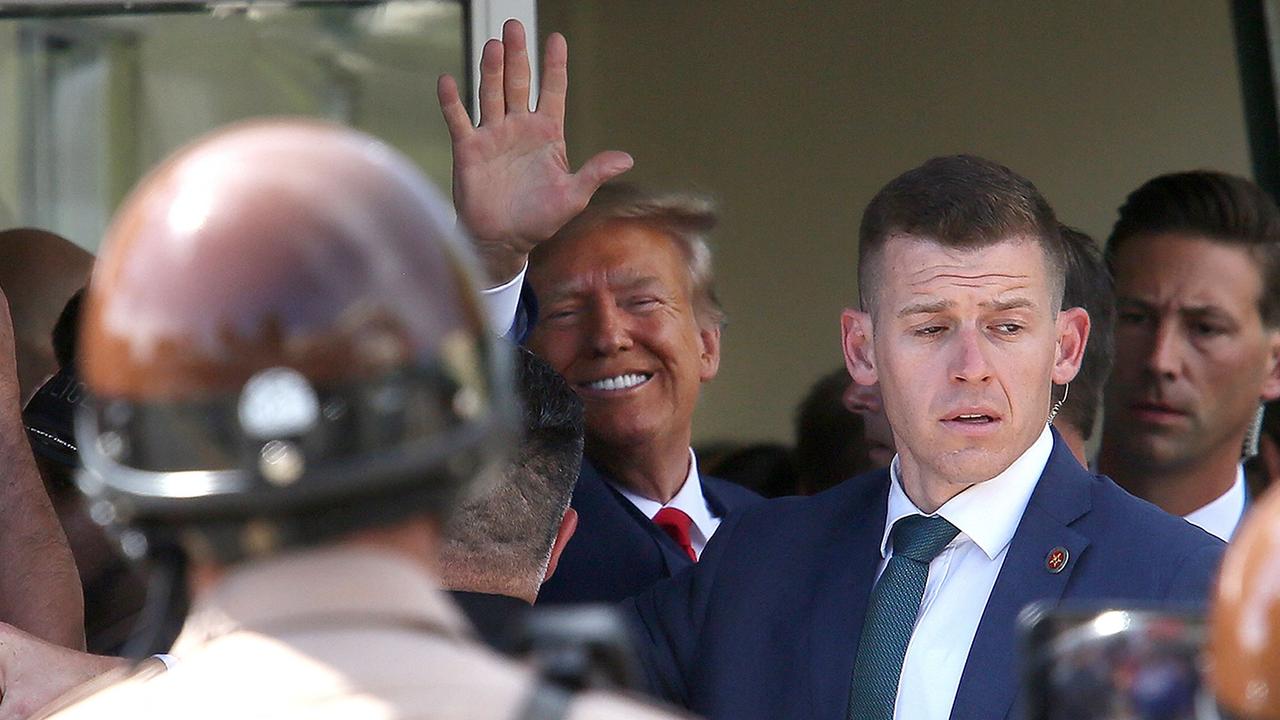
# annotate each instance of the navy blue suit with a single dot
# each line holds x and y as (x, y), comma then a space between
(767, 624)
(616, 551)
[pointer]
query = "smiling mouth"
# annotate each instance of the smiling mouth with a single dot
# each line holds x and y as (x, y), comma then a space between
(618, 382)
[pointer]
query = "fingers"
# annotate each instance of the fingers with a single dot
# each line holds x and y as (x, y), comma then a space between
(555, 78)
(599, 170)
(455, 113)
(515, 57)
(492, 104)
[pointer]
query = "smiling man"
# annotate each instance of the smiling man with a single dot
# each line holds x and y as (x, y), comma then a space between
(1196, 260)
(895, 595)
(628, 315)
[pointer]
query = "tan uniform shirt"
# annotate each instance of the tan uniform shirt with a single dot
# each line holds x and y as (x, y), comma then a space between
(341, 632)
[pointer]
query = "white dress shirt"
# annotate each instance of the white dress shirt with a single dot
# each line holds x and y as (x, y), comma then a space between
(501, 302)
(960, 578)
(690, 500)
(1221, 516)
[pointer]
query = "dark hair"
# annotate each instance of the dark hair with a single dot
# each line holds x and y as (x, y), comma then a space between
(763, 467)
(1088, 286)
(508, 530)
(958, 201)
(831, 442)
(1217, 206)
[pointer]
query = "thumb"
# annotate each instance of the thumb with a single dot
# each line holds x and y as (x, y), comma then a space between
(599, 170)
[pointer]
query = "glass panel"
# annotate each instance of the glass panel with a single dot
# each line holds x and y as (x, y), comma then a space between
(90, 101)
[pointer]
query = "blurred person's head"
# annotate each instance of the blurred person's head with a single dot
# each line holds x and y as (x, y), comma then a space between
(629, 316)
(865, 400)
(1088, 286)
(114, 587)
(1196, 262)
(268, 369)
(507, 540)
(961, 272)
(766, 468)
(831, 443)
(39, 270)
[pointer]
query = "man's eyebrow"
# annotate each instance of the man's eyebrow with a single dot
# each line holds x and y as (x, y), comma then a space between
(630, 280)
(937, 306)
(1125, 300)
(1016, 303)
(1205, 310)
(562, 291)
(925, 308)
(621, 280)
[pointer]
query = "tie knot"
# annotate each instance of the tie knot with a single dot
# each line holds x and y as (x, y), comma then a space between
(674, 518)
(921, 538)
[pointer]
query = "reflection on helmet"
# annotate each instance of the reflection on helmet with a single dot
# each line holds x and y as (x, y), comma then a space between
(282, 341)
(1244, 631)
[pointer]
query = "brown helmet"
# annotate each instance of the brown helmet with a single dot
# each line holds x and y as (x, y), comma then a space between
(1244, 624)
(282, 341)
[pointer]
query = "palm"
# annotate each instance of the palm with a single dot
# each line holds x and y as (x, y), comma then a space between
(512, 184)
(514, 181)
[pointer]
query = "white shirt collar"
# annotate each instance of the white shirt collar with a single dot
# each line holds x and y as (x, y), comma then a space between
(1221, 516)
(689, 499)
(987, 512)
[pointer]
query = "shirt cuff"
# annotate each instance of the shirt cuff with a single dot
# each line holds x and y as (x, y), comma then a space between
(501, 302)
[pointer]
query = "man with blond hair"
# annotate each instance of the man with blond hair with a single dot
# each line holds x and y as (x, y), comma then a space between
(626, 313)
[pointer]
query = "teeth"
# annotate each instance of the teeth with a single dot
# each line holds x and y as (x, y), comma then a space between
(620, 382)
(970, 417)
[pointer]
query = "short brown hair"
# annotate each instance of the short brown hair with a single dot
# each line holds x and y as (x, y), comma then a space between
(1088, 286)
(686, 218)
(958, 201)
(1217, 206)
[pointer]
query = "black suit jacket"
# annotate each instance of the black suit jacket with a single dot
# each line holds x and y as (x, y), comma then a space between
(616, 551)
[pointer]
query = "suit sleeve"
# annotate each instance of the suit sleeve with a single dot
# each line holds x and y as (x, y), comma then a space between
(1193, 582)
(666, 620)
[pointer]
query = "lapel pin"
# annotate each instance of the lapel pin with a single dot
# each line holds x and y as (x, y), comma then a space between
(1056, 560)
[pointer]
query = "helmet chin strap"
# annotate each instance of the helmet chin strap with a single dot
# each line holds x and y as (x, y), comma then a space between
(1057, 406)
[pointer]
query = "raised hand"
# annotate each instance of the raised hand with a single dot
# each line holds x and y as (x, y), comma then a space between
(512, 184)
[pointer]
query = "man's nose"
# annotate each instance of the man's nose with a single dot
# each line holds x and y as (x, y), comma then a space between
(1164, 357)
(609, 333)
(969, 361)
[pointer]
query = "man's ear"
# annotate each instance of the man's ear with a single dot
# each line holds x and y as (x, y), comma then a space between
(709, 359)
(568, 524)
(1073, 333)
(859, 350)
(1271, 386)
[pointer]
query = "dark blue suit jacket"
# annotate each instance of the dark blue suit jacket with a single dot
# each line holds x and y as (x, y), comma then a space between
(767, 624)
(617, 552)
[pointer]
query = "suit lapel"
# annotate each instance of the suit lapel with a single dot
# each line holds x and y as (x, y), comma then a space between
(672, 554)
(846, 573)
(714, 502)
(989, 682)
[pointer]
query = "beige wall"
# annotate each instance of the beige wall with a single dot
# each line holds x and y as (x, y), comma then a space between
(794, 114)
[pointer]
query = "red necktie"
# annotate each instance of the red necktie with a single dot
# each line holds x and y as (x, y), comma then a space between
(675, 523)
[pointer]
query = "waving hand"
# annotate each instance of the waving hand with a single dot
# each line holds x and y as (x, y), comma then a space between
(512, 183)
